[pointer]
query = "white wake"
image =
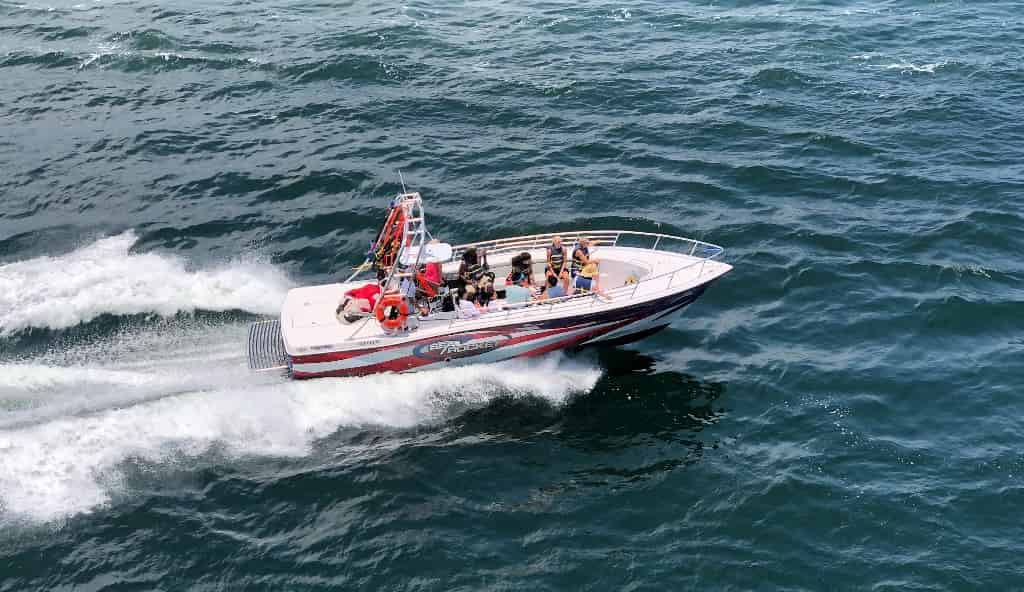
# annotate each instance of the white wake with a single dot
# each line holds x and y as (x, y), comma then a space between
(70, 461)
(106, 278)
(166, 390)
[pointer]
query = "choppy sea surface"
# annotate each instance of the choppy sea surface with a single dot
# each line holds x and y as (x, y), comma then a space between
(841, 412)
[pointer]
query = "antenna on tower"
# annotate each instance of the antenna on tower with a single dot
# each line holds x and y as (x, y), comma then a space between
(402, 179)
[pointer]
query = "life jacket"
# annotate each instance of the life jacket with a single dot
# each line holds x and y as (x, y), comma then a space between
(429, 280)
(432, 273)
(556, 255)
(521, 265)
(474, 270)
(576, 265)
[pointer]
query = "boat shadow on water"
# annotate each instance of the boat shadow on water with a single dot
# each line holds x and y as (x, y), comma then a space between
(635, 427)
(633, 403)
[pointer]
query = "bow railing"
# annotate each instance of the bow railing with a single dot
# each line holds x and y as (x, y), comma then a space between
(698, 253)
(610, 238)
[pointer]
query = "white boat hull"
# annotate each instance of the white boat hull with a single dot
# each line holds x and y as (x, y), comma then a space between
(641, 288)
(518, 340)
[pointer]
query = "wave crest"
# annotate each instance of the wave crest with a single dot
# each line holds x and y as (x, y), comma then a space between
(73, 464)
(106, 278)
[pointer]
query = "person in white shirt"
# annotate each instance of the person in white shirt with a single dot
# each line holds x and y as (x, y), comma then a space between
(467, 309)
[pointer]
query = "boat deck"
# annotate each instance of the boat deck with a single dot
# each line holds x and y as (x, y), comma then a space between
(309, 324)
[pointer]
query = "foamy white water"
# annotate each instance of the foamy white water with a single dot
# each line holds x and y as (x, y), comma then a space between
(143, 362)
(174, 388)
(917, 68)
(885, 63)
(105, 278)
(70, 463)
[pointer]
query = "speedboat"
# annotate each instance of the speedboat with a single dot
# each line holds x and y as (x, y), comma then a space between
(643, 280)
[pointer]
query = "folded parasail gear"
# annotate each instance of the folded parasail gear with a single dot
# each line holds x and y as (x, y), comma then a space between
(353, 309)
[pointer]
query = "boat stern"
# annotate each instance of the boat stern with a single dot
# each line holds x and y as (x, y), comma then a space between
(266, 347)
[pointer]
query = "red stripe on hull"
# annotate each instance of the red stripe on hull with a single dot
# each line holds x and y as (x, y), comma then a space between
(407, 363)
(344, 355)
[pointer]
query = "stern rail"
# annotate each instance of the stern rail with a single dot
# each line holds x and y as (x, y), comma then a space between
(266, 346)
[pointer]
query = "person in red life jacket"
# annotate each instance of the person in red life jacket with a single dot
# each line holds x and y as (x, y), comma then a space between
(433, 273)
(428, 283)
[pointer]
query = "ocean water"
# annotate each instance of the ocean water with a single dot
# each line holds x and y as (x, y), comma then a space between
(841, 412)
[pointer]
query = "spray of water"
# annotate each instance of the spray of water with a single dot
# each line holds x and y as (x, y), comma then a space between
(176, 388)
(105, 277)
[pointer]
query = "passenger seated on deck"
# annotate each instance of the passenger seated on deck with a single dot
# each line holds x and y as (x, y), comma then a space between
(467, 308)
(521, 264)
(485, 291)
(555, 258)
(588, 279)
(553, 290)
(516, 268)
(519, 292)
(581, 256)
(473, 266)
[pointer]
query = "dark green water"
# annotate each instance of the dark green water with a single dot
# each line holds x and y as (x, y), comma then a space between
(842, 412)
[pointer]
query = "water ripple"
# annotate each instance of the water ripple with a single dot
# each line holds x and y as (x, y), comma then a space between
(840, 411)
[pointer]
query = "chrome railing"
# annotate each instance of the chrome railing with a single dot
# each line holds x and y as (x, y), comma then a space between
(611, 238)
(700, 251)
